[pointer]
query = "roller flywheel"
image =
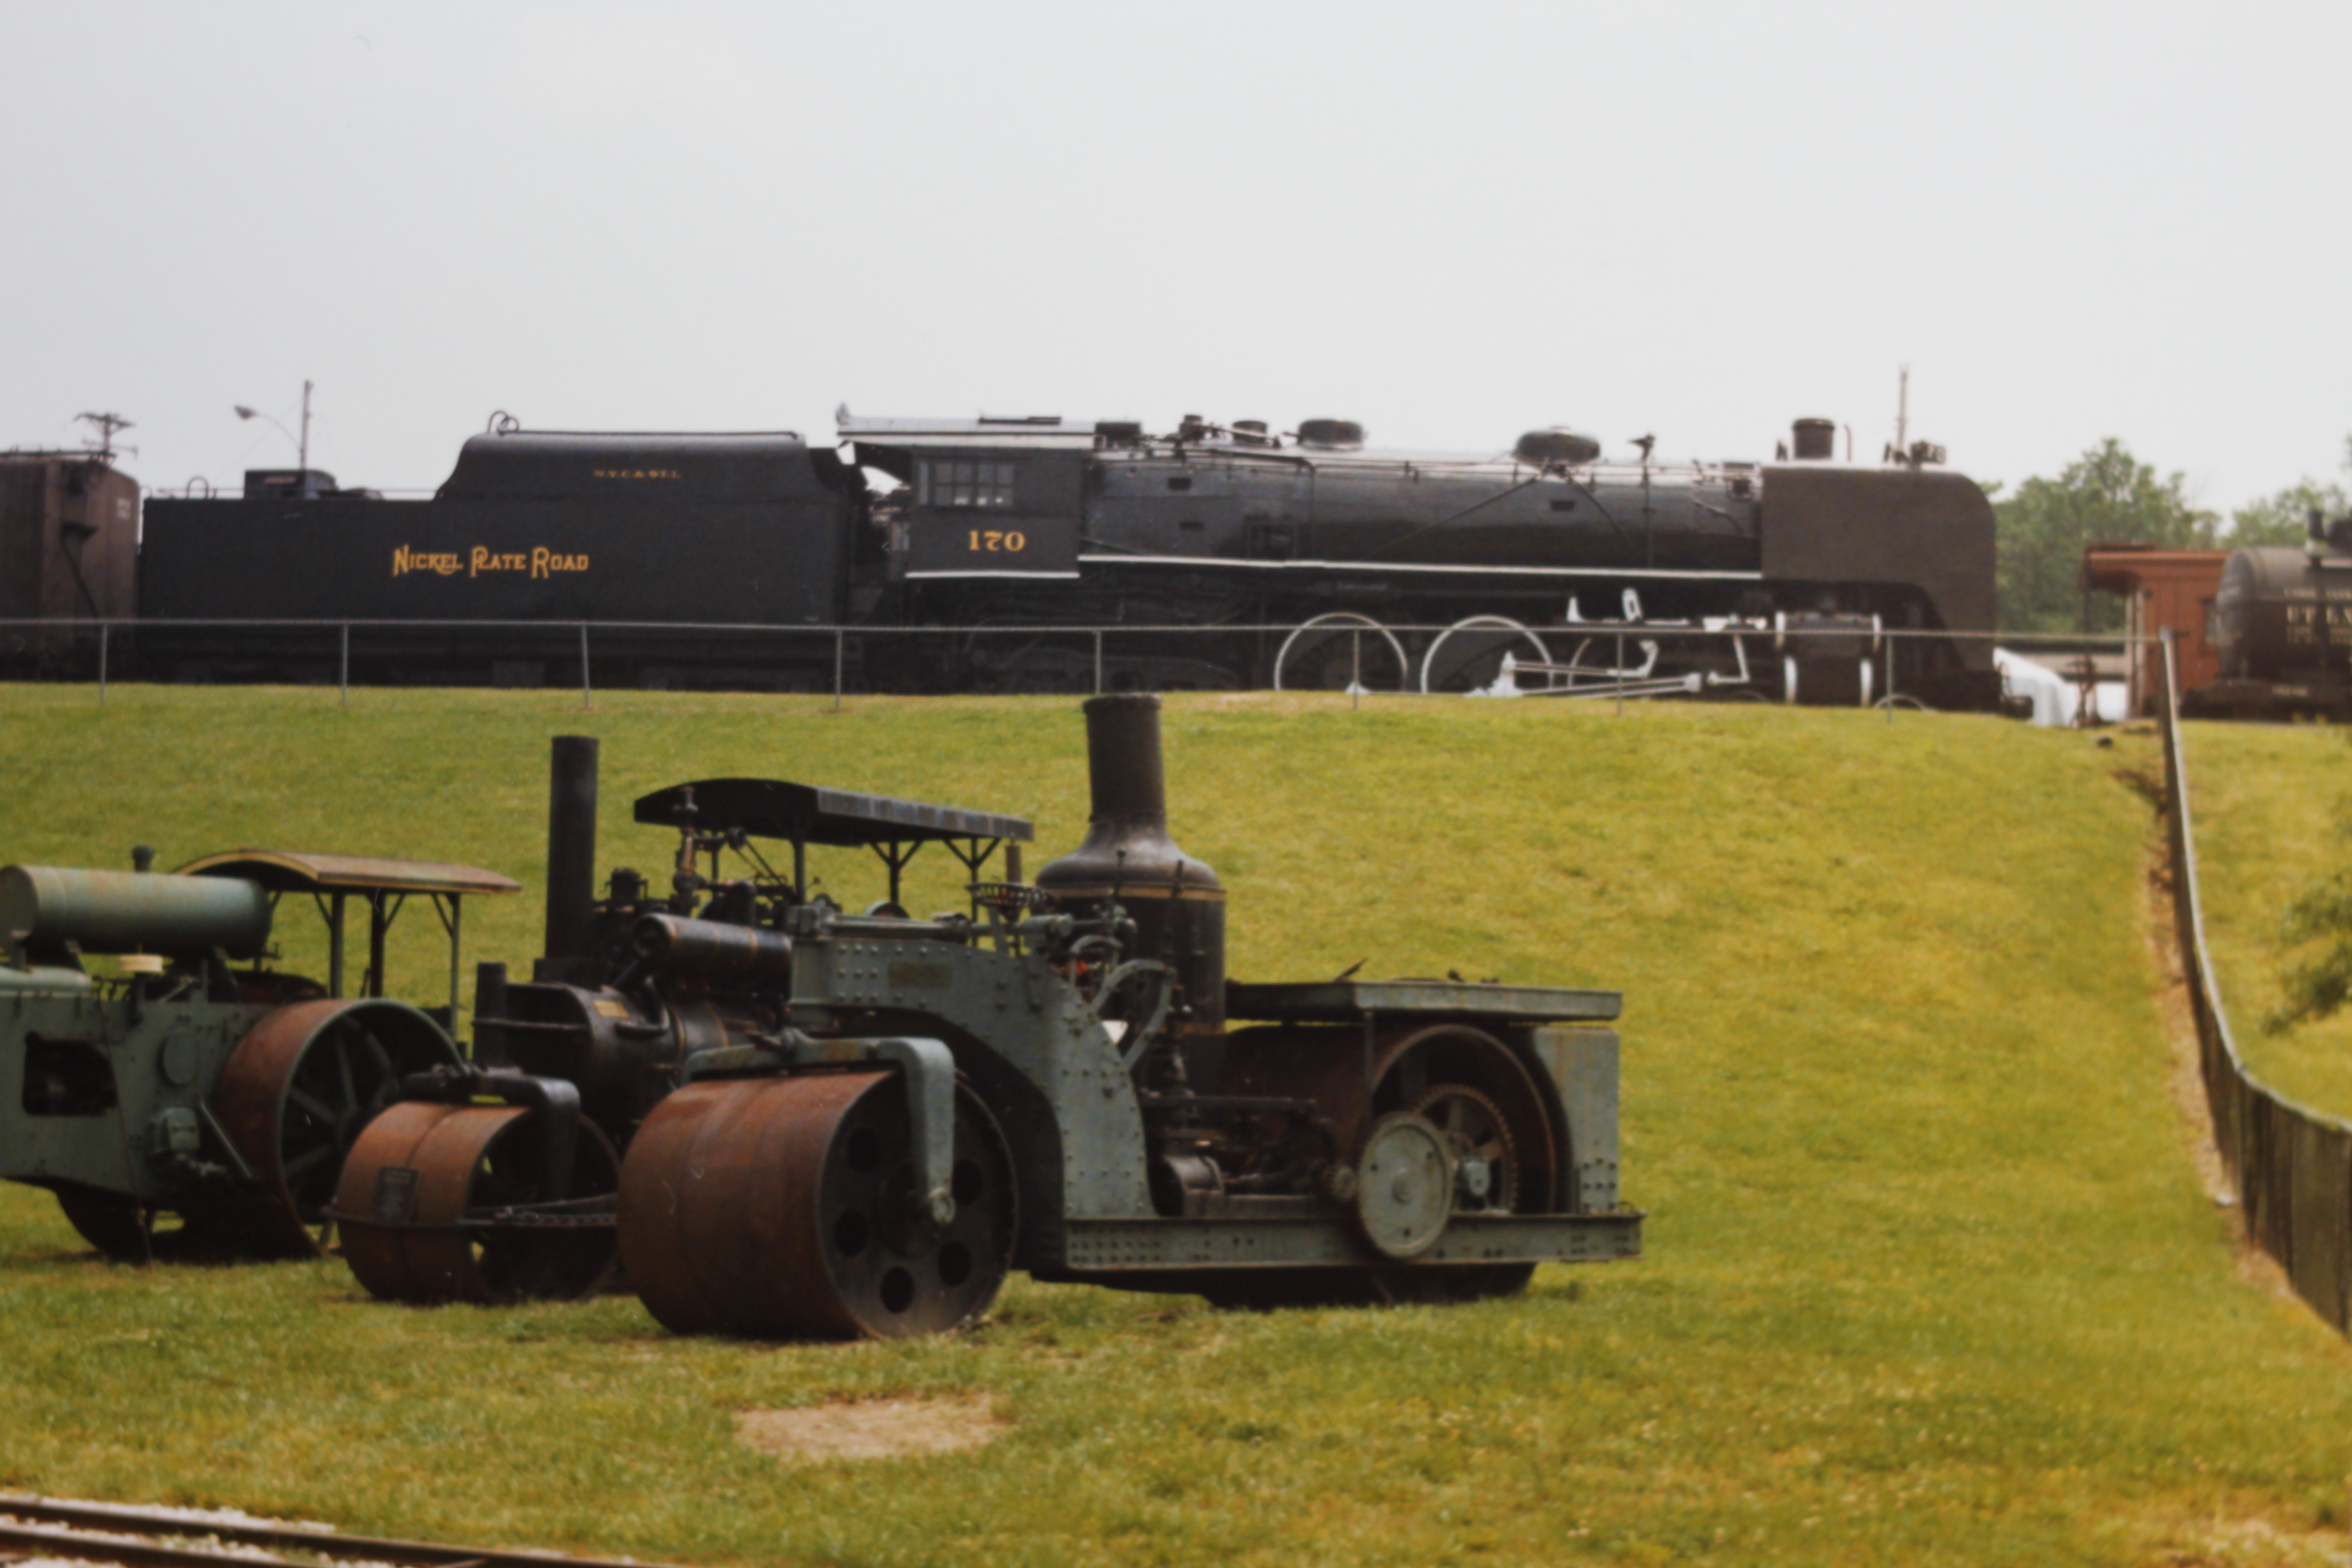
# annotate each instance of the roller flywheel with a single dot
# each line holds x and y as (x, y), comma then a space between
(419, 1183)
(786, 1208)
(293, 1099)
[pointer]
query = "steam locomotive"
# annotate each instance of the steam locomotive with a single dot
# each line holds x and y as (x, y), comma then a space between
(980, 543)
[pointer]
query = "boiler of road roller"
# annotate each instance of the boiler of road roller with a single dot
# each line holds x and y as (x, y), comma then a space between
(834, 1124)
(185, 1080)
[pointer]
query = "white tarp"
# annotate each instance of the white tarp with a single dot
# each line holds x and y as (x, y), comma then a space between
(2056, 698)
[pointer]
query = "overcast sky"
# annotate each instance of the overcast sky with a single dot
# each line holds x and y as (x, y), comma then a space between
(1450, 222)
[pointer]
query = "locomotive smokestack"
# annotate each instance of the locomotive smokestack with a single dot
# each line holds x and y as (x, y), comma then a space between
(571, 855)
(1176, 901)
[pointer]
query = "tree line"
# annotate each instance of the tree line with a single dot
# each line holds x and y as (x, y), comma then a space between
(2109, 496)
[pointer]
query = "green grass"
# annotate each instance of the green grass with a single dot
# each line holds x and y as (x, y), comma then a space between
(1929, 1277)
(2273, 810)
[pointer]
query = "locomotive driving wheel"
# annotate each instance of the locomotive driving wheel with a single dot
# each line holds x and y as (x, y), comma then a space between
(292, 1100)
(788, 1208)
(419, 1203)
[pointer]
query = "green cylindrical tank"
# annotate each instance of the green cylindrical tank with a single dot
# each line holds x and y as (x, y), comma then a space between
(134, 911)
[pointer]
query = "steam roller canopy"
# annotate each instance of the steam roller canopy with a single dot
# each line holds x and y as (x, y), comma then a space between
(787, 1209)
(134, 911)
(293, 1097)
(418, 1194)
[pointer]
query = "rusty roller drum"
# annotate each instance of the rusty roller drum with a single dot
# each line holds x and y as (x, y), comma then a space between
(421, 1164)
(293, 1097)
(786, 1208)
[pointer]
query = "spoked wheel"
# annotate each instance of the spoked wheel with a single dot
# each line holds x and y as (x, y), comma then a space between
(293, 1097)
(1485, 1162)
(1342, 651)
(786, 1208)
(1467, 657)
(417, 1197)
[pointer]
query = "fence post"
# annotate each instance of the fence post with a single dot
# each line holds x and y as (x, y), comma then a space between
(1098, 661)
(1891, 644)
(102, 629)
(837, 656)
(347, 664)
(587, 693)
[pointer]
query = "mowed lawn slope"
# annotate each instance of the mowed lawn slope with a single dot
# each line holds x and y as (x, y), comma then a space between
(2273, 811)
(1929, 1278)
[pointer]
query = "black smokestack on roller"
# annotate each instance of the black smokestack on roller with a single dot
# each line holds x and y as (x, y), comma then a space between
(1176, 901)
(572, 859)
(1130, 782)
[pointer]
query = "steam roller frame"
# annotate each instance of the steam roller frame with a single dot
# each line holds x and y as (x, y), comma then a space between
(787, 1209)
(435, 1206)
(292, 1100)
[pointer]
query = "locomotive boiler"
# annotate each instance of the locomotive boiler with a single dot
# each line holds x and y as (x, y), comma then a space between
(834, 1124)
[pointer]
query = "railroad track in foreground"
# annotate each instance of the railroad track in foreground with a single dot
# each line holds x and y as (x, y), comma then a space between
(143, 1538)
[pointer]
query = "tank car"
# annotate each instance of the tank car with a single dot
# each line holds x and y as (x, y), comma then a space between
(838, 1124)
(182, 1085)
(2282, 622)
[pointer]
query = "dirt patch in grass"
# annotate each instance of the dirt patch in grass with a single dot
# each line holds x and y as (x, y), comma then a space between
(873, 1428)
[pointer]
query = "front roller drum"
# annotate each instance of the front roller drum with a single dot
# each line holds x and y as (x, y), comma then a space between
(788, 1208)
(421, 1199)
(293, 1099)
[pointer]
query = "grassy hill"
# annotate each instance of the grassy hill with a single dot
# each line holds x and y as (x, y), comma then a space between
(2273, 810)
(1929, 1278)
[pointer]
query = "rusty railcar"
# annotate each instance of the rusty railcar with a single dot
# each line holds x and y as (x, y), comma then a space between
(68, 552)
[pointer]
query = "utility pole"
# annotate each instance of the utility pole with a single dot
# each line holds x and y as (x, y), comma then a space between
(304, 459)
(108, 423)
(1902, 412)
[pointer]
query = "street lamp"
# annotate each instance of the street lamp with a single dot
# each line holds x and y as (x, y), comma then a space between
(302, 446)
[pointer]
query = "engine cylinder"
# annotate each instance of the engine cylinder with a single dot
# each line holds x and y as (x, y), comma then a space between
(714, 951)
(1177, 903)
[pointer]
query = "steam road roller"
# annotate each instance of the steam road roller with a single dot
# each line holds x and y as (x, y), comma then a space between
(835, 1124)
(186, 1080)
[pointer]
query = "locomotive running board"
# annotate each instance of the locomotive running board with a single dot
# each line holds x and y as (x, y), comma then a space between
(1106, 1245)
